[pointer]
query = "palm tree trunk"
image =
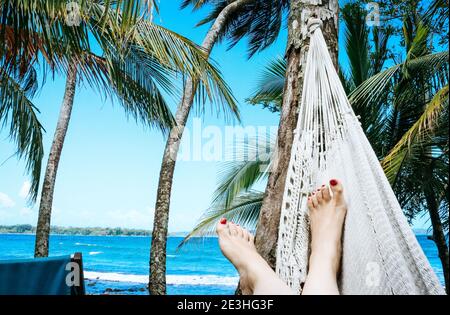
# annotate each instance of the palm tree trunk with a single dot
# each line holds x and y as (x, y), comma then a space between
(438, 235)
(297, 47)
(45, 207)
(157, 277)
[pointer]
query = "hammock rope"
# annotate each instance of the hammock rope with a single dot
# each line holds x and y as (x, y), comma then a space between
(381, 254)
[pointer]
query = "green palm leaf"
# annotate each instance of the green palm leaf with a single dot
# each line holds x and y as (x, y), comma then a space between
(237, 177)
(416, 135)
(259, 21)
(244, 211)
(269, 91)
(371, 89)
(140, 59)
(24, 127)
(356, 42)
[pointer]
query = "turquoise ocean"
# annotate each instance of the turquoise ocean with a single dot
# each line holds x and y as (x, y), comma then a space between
(119, 265)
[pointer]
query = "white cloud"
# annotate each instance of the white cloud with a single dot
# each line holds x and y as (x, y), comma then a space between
(23, 193)
(25, 212)
(6, 201)
(131, 218)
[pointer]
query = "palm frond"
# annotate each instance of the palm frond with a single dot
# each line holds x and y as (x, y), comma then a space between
(43, 31)
(418, 47)
(259, 21)
(239, 176)
(415, 136)
(371, 89)
(176, 53)
(196, 4)
(244, 211)
(380, 53)
(356, 42)
(25, 130)
(271, 84)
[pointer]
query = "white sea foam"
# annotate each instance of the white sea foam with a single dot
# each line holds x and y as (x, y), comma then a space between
(84, 244)
(95, 253)
(171, 279)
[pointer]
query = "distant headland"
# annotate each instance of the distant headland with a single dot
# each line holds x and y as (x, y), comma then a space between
(94, 231)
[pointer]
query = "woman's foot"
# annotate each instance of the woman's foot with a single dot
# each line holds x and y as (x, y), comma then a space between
(256, 276)
(237, 244)
(327, 210)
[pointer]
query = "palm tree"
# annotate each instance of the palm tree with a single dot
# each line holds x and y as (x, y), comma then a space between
(228, 19)
(416, 163)
(266, 236)
(139, 59)
(415, 134)
(256, 26)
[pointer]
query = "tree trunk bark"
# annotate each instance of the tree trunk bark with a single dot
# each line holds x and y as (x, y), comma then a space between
(297, 47)
(45, 207)
(438, 235)
(157, 276)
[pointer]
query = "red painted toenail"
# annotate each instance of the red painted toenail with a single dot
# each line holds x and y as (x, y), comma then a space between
(223, 221)
(323, 185)
(333, 182)
(318, 189)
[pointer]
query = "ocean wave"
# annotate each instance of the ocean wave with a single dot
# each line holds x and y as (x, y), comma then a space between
(95, 253)
(85, 244)
(171, 279)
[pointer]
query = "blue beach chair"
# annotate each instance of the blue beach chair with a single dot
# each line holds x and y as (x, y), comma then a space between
(43, 276)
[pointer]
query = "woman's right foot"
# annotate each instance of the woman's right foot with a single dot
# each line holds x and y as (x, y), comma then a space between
(327, 210)
(237, 244)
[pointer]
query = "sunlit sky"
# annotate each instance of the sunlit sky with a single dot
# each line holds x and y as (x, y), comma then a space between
(109, 167)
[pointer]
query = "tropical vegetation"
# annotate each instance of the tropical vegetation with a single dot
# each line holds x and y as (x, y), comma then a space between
(400, 93)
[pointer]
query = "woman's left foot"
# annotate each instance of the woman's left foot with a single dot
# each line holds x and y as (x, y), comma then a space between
(327, 211)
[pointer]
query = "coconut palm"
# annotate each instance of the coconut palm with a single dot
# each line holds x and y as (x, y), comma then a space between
(138, 62)
(408, 128)
(415, 133)
(232, 19)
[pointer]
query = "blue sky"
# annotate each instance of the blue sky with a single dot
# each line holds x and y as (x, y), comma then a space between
(109, 168)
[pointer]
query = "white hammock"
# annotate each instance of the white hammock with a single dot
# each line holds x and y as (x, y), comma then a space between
(380, 252)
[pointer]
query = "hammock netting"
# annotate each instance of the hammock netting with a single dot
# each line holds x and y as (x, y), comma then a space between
(381, 254)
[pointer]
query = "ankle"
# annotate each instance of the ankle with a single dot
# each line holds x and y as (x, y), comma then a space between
(324, 263)
(253, 272)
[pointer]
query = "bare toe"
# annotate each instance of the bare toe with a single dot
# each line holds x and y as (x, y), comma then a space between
(337, 189)
(310, 203)
(319, 195)
(222, 228)
(326, 193)
(251, 238)
(240, 231)
(233, 229)
(246, 235)
(314, 200)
